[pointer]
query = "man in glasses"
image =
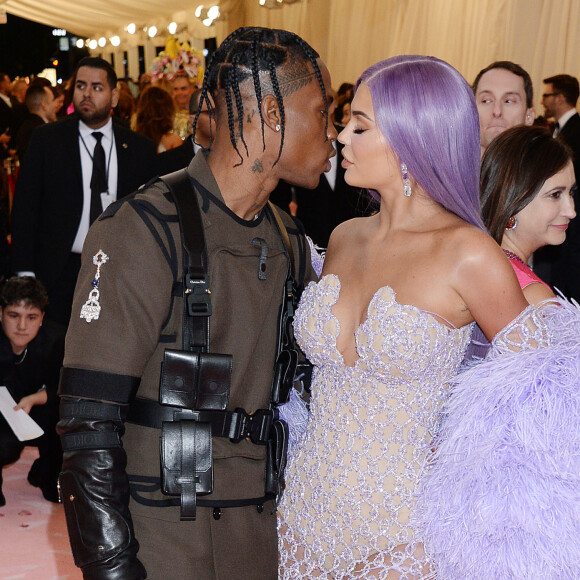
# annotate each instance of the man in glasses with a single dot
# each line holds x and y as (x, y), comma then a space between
(504, 96)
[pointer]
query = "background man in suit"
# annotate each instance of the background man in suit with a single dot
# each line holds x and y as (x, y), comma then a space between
(559, 102)
(41, 107)
(53, 202)
(560, 265)
(19, 88)
(504, 95)
(12, 112)
(180, 157)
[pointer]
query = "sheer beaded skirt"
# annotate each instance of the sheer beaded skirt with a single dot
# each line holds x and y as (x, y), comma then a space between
(351, 483)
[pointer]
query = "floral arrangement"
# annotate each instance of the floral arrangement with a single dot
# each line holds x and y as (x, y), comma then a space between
(176, 60)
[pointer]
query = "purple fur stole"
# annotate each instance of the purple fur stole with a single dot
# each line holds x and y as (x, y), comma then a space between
(501, 494)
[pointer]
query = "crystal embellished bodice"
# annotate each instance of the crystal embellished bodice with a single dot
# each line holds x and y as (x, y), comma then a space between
(351, 482)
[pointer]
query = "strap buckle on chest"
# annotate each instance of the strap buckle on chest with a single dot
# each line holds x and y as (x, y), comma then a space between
(198, 299)
(257, 427)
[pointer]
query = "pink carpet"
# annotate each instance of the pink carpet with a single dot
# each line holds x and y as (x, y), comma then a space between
(33, 539)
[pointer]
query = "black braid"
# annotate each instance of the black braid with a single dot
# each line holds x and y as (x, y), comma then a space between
(210, 109)
(211, 74)
(231, 124)
(257, 85)
(235, 84)
(280, 100)
(312, 56)
(241, 55)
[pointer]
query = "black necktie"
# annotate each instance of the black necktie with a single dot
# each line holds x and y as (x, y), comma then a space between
(98, 178)
(556, 129)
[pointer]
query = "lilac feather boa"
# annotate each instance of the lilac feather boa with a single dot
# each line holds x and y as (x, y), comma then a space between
(501, 495)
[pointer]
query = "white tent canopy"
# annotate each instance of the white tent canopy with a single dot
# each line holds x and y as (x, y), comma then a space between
(90, 18)
(540, 35)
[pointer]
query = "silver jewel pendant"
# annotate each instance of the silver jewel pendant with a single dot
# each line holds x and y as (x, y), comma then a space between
(91, 309)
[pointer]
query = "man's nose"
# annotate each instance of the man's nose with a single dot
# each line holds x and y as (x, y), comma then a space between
(331, 132)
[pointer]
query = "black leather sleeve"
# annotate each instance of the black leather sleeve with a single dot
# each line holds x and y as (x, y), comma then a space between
(95, 490)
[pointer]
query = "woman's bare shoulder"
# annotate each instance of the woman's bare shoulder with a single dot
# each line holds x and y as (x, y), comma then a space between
(346, 239)
(470, 244)
(349, 229)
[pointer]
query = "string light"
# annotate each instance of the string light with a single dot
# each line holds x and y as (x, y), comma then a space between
(276, 3)
(207, 16)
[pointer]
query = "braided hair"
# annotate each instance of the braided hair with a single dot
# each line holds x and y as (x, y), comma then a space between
(279, 56)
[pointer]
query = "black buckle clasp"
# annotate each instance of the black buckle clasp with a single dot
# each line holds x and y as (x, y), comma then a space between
(198, 297)
(257, 427)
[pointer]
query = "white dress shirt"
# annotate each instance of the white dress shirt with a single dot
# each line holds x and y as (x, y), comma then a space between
(87, 146)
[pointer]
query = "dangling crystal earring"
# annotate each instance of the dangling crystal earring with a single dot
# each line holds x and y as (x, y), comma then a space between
(406, 182)
(512, 223)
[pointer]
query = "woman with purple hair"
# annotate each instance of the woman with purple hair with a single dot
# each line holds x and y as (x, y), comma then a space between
(388, 324)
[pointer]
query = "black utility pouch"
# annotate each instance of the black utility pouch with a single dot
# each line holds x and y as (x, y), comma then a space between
(284, 373)
(193, 382)
(186, 461)
(276, 458)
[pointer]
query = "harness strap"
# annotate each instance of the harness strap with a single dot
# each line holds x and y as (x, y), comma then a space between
(197, 302)
(234, 425)
(147, 484)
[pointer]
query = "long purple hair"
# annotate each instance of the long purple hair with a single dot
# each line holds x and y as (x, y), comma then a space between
(427, 113)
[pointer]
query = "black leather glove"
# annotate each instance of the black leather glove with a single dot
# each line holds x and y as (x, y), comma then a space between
(95, 491)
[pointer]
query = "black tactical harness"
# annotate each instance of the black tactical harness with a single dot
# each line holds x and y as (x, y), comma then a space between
(194, 385)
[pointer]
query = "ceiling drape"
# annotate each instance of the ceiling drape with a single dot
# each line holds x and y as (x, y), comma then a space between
(540, 35)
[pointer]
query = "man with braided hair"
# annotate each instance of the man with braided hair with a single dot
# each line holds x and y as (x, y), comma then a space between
(272, 97)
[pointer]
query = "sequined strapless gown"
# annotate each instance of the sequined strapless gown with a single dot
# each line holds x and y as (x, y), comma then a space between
(351, 483)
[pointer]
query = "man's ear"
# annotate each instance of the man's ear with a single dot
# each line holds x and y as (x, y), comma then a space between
(114, 97)
(271, 112)
(530, 117)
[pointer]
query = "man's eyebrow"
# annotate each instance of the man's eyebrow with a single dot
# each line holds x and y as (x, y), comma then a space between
(506, 94)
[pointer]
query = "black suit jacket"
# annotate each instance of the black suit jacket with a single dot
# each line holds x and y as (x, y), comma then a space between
(570, 134)
(48, 199)
(22, 138)
(321, 209)
(11, 119)
(175, 159)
